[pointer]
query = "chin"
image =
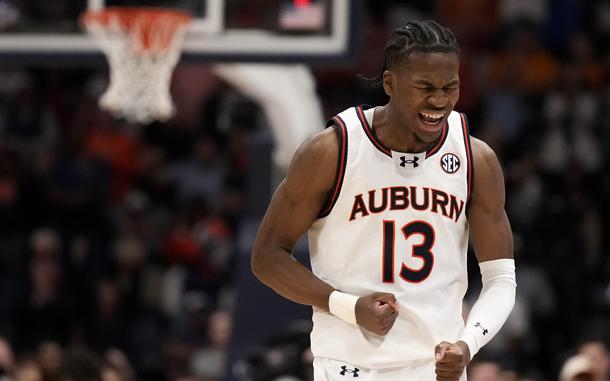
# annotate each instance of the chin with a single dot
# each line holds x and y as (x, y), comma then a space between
(428, 137)
(429, 133)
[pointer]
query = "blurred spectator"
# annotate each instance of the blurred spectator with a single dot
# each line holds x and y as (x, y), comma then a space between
(597, 352)
(79, 183)
(152, 177)
(81, 365)
(111, 374)
(484, 371)
(585, 63)
(111, 142)
(209, 362)
(565, 18)
(534, 11)
(479, 17)
(28, 371)
(188, 377)
(13, 222)
(200, 241)
(109, 322)
(203, 174)
(286, 355)
(117, 367)
(42, 312)
(129, 259)
(523, 65)
(7, 360)
(29, 124)
(49, 357)
(577, 368)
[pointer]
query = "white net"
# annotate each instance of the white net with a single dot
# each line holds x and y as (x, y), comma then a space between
(142, 54)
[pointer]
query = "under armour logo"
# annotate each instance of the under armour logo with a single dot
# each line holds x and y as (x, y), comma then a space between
(345, 369)
(477, 324)
(404, 161)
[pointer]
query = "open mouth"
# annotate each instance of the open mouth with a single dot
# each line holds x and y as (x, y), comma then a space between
(431, 119)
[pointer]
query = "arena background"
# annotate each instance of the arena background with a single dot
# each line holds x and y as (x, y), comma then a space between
(124, 248)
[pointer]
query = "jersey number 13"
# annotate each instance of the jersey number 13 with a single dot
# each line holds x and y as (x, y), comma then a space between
(423, 251)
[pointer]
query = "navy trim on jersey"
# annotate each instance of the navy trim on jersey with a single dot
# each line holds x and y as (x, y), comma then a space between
(441, 141)
(380, 146)
(468, 145)
(369, 132)
(341, 163)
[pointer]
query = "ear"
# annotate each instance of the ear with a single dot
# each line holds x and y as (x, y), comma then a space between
(388, 82)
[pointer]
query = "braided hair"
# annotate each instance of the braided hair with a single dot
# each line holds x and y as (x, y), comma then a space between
(416, 36)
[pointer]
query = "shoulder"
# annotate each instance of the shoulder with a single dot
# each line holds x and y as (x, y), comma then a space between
(482, 154)
(488, 176)
(315, 161)
(321, 148)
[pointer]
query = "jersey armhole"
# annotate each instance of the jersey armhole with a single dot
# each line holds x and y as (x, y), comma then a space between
(341, 130)
(470, 164)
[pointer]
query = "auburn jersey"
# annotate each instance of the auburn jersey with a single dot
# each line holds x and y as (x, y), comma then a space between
(395, 222)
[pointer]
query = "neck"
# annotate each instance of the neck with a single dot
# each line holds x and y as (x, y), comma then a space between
(391, 131)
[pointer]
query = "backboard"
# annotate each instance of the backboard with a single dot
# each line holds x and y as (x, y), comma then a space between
(310, 31)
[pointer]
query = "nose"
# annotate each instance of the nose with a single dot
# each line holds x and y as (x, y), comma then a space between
(438, 98)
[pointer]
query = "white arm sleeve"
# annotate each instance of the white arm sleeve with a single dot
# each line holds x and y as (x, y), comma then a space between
(495, 302)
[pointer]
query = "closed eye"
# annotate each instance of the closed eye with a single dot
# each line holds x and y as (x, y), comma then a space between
(453, 85)
(425, 88)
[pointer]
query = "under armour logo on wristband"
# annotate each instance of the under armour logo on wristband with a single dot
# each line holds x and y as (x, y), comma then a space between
(404, 161)
(477, 324)
(345, 369)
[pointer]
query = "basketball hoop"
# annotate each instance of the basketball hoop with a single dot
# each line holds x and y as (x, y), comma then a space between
(142, 46)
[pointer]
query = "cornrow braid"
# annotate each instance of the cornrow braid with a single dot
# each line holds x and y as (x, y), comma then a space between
(416, 36)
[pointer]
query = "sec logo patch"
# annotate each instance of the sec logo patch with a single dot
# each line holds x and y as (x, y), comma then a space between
(450, 163)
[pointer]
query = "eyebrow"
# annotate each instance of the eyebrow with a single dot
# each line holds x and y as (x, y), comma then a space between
(428, 83)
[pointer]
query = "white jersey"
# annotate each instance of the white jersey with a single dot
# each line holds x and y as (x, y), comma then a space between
(395, 222)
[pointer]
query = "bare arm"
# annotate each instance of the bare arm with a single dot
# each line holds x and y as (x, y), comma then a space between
(489, 227)
(293, 208)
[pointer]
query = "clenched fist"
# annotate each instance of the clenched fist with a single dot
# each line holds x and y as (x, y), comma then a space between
(376, 312)
(451, 359)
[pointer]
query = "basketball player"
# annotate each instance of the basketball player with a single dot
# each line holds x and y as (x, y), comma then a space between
(389, 196)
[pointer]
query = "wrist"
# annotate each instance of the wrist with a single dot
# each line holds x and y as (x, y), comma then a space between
(465, 349)
(469, 341)
(343, 306)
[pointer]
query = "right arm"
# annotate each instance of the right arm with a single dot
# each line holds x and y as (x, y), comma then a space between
(294, 207)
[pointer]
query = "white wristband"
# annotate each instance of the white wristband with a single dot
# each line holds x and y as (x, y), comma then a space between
(343, 306)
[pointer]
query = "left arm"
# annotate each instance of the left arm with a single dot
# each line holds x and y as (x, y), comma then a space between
(493, 243)
(489, 227)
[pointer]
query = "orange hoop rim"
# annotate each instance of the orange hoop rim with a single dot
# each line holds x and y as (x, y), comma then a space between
(151, 30)
(127, 16)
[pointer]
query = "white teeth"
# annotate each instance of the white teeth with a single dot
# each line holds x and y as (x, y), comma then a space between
(432, 116)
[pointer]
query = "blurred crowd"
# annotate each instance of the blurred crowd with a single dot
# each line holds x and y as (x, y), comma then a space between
(118, 242)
